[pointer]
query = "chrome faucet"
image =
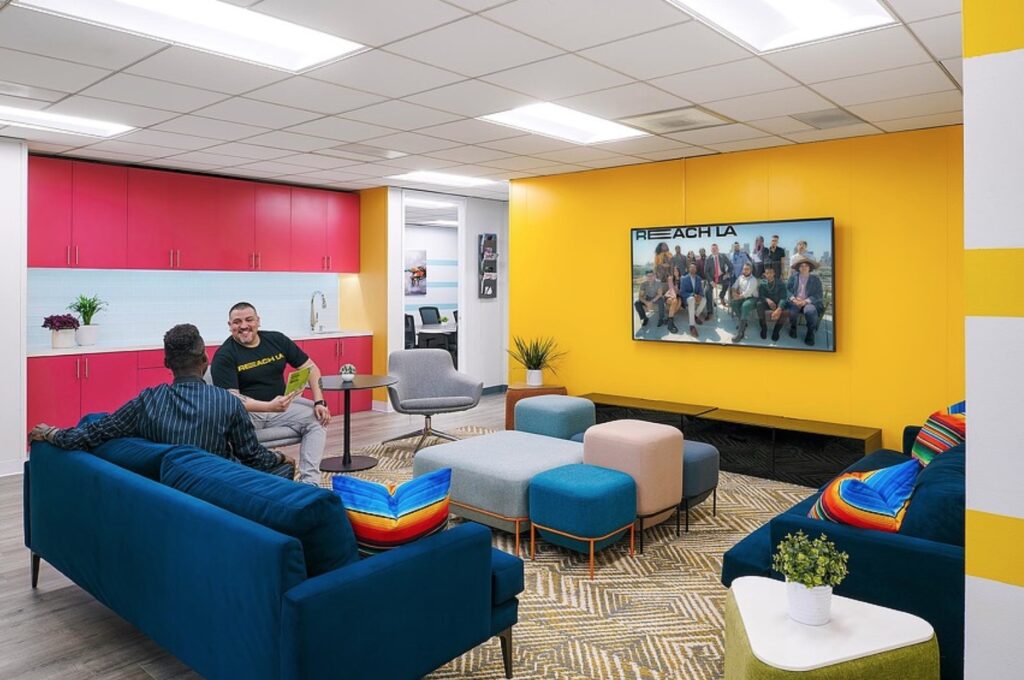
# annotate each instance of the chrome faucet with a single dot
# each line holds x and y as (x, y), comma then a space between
(314, 317)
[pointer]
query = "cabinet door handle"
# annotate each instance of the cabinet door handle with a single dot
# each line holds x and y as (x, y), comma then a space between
(78, 369)
(252, 260)
(76, 255)
(330, 260)
(259, 260)
(87, 367)
(179, 259)
(68, 251)
(171, 252)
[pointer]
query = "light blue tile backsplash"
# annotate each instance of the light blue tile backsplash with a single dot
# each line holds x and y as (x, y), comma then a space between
(144, 304)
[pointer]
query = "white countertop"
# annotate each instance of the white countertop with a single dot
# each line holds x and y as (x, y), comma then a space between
(101, 348)
(857, 629)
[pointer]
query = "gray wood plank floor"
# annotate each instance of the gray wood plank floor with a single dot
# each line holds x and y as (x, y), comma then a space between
(60, 631)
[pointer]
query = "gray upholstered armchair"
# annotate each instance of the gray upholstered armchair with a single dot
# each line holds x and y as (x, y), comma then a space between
(428, 384)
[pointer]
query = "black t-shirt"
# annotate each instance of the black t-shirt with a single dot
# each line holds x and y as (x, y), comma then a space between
(257, 372)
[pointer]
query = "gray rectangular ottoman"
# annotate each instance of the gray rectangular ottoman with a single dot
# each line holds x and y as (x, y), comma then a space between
(491, 474)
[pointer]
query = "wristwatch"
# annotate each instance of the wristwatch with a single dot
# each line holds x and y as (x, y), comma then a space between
(320, 402)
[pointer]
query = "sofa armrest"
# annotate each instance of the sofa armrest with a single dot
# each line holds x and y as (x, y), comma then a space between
(399, 614)
(909, 437)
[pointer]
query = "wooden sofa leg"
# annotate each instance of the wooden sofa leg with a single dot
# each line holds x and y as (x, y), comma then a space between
(35, 570)
(506, 650)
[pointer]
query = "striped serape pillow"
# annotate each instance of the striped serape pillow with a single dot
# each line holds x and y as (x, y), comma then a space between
(876, 499)
(385, 517)
(942, 431)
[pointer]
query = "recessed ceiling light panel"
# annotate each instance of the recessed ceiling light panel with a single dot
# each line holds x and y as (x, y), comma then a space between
(552, 120)
(677, 120)
(55, 122)
(411, 202)
(829, 118)
(443, 179)
(208, 25)
(767, 25)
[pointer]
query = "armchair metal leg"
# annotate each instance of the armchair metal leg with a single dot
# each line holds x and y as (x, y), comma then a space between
(414, 433)
(424, 433)
(506, 650)
(35, 570)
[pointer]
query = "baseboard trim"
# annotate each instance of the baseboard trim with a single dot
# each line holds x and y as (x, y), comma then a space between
(381, 406)
(496, 389)
(12, 467)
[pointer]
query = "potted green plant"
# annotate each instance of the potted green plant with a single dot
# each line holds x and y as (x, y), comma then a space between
(348, 372)
(812, 568)
(535, 355)
(86, 307)
(62, 330)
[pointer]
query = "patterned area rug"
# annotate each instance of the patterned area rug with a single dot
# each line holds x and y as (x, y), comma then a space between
(659, 615)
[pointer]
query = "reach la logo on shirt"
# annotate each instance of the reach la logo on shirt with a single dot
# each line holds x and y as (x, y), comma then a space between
(261, 362)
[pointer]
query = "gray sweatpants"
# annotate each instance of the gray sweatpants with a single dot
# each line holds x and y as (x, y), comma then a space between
(299, 418)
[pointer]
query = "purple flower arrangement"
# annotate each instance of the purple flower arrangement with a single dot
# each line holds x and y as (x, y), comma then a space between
(60, 322)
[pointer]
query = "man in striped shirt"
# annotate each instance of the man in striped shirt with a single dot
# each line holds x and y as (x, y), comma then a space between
(188, 411)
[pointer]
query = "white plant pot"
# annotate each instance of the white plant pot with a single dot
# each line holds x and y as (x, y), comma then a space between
(535, 378)
(63, 339)
(348, 377)
(810, 606)
(87, 335)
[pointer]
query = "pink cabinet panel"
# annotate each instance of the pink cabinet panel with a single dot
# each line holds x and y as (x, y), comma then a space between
(309, 230)
(49, 212)
(215, 231)
(343, 232)
(99, 216)
(272, 231)
(358, 351)
(108, 381)
(150, 222)
(324, 354)
(54, 395)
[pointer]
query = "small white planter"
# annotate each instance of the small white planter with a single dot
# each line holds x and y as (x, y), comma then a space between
(347, 377)
(810, 606)
(535, 378)
(63, 339)
(87, 335)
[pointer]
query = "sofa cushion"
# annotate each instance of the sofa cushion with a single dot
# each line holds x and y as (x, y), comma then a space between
(881, 458)
(876, 499)
(506, 576)
(141, 456)
(942, 431)
(313, 515)
(936, 511)
(385, 517)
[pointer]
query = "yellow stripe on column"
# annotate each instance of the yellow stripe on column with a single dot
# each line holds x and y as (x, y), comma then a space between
(995, 547)
(992, 26)
(991, 277)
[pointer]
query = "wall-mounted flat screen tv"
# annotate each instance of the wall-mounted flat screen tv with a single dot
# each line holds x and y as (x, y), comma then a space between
(752, 284)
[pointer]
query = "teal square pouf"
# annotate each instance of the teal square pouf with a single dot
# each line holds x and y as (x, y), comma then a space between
(555, 415)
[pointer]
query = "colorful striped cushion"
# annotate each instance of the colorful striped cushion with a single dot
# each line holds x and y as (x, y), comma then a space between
(384, 517)
(942, 431)
(876, 499)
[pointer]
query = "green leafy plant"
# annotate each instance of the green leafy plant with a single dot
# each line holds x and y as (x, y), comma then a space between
(86, 307)
(348, 368)
(535, 354)
(810, 562)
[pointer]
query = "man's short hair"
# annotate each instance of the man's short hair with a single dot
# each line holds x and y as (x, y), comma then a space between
(241, 305)
(769, 266)
(775, 235)
(184, 349)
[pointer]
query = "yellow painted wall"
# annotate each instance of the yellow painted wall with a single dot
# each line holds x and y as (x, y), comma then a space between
(898, 204)
(364, 296)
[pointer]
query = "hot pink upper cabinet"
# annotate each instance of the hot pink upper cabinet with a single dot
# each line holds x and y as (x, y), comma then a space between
(342, 232)
(150, 223)
(49, 212)
(273, 228)
(99, 216)
(213, 223)
(309, 230)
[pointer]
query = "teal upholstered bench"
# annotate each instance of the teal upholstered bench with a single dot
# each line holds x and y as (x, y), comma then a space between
(555, 415)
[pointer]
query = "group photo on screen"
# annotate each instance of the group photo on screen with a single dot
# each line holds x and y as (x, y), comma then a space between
(759, 284)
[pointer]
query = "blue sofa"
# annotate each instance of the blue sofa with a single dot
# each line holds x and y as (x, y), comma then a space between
(918, 570)
(233, 598)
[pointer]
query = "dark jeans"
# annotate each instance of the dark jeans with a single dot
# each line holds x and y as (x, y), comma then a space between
(641, 309)
(763, 310)
(809, 311)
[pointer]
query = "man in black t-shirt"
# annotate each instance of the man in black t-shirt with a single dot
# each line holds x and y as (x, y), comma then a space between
(251, 365)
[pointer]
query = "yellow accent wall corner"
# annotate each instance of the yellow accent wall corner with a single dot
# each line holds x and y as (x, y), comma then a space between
(991, 26)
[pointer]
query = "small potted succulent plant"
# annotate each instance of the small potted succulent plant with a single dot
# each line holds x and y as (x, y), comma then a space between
(86, 307)
(812, 568)
(535, 355)
(62, 330)
(348, 372)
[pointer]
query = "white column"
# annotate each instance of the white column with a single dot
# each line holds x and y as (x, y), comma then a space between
(13, 266)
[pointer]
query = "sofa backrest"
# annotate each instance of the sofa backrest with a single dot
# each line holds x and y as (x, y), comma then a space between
(936, 510)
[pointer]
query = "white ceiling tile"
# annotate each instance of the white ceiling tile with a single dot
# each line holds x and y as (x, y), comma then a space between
(254, 152)
(409, 142)
(43, 147)
(527, 144)
(27, 92)
(100, 155)
(735, 79)
(473, 47)
(341, 129)
(623, 101)
(47, 136)
(36, 71)
(717, 135)
(857, 130)
(469, 154)
(291, 141)
(375, 169)
(670, 50)
(471, 170)
(22, 103)
(561, 169)
(314, 95)
(400, 115)
(204, 70)
(171, 140)
(421, 163)
(507, 175)
(146, 150)
(368, 23)
(686, 152)
(942, 35)
(273, 166)
(122, 87)
(913, 10)
(905, 107)
(613, 162)
(476, 5)
(770, 104)
(74, 41)
(222, 130)
(862, 53)
(471, 131)
(641, 145)
(576, 154)
(318, 161)
(956, 69)
(206, 159)
(116, 112)
(383, 73)
(748, 144)
(472, 98)
(576, 24)
(182, 165)
(780, 125)
(301, 179)
(249, 173)
(917, 122)
(899, 82)
(252, 112)
(517, 163)
(558, 77)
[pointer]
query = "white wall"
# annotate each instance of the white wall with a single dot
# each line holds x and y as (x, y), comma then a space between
(483, 323)
(442, 248)
(13, 257)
